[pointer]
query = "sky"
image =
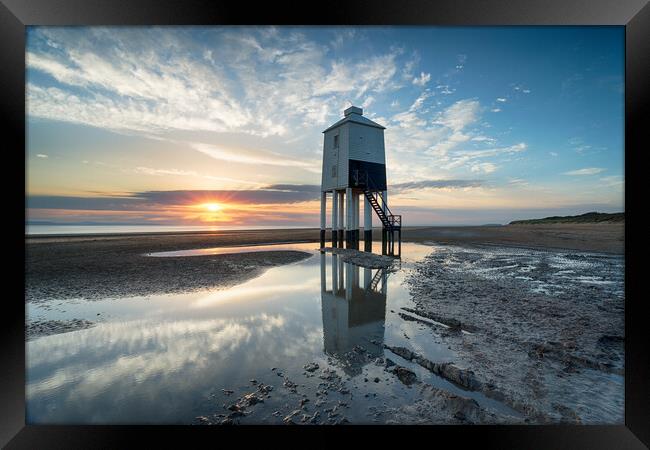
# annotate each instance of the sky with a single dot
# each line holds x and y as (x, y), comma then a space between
(222, 126)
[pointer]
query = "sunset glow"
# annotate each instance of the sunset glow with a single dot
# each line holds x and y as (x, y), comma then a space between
(213, 207)
(223, 125)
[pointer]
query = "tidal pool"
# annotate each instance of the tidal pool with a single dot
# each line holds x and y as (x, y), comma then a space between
(170, 358)
(304, 246)
(192, 357)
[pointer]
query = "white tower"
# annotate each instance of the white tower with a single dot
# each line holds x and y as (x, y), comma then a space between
(354, 165)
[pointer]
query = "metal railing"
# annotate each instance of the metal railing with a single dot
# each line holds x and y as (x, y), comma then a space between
(361, 178)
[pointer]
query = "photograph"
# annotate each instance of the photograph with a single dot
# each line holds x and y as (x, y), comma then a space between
(325, 225)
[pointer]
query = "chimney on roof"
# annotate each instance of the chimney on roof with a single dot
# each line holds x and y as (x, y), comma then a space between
(353, 110)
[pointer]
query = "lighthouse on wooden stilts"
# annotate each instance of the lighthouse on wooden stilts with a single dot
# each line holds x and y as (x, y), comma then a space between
(354, 171)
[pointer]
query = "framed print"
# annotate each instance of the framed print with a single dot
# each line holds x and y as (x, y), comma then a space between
(408, 217)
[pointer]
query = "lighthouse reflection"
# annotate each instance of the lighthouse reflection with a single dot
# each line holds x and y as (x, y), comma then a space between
(354, 312)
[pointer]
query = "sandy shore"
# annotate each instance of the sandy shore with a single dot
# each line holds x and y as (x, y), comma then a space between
(597, 237)
(112, 265)
(117, 267)
(546, 328)
(535, 323)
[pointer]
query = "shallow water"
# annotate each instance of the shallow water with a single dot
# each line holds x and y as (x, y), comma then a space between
(301, 246)
(550, 272)
(166, 359)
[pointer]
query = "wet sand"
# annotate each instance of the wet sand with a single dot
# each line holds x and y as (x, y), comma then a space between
(38, 328)
(596, 237)
(550, 356)
(546, 328)
(99, 266)
(93, 268)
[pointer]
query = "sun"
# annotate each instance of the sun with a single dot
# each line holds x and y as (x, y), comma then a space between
(212, 207)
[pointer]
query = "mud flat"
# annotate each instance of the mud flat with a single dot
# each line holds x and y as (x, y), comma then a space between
(593, 237)
(110, 266)
(326, 396)
(539, 330)
(38, 328)
(535, 334)
(597, 237)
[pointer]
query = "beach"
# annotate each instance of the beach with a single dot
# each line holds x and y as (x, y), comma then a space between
(96, 266)
(510, 324)
(596, 237)
(540, 330)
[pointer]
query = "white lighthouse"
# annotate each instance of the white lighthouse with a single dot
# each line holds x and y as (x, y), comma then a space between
(354, 167)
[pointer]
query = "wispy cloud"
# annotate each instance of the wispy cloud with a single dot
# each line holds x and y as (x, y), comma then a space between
(579, 145)
(342, 37)
(247, 156)
(417, 104)
(585, 171)
(445, 89)
(484, 139)
(436, 184)
(294, 187)
(284, 79)
(188, 173)
(129, 115)
(371, 75)
(409, 66)
(161, 172)
(460, 61)
(613, 180)
(460, 114)
(367, 102)
(468, 157)
(423, 79)
(509, 150)
(484, 167)
(128, 87)
(518, 182)
(456, 139)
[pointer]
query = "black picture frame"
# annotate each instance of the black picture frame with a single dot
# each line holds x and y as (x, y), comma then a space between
(15, 15)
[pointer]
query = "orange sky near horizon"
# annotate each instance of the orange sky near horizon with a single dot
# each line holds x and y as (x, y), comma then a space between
(153, 125)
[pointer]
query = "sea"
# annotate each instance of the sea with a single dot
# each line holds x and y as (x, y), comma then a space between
(66, 230)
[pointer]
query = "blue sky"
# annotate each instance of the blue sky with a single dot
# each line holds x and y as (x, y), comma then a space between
(492, 124)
